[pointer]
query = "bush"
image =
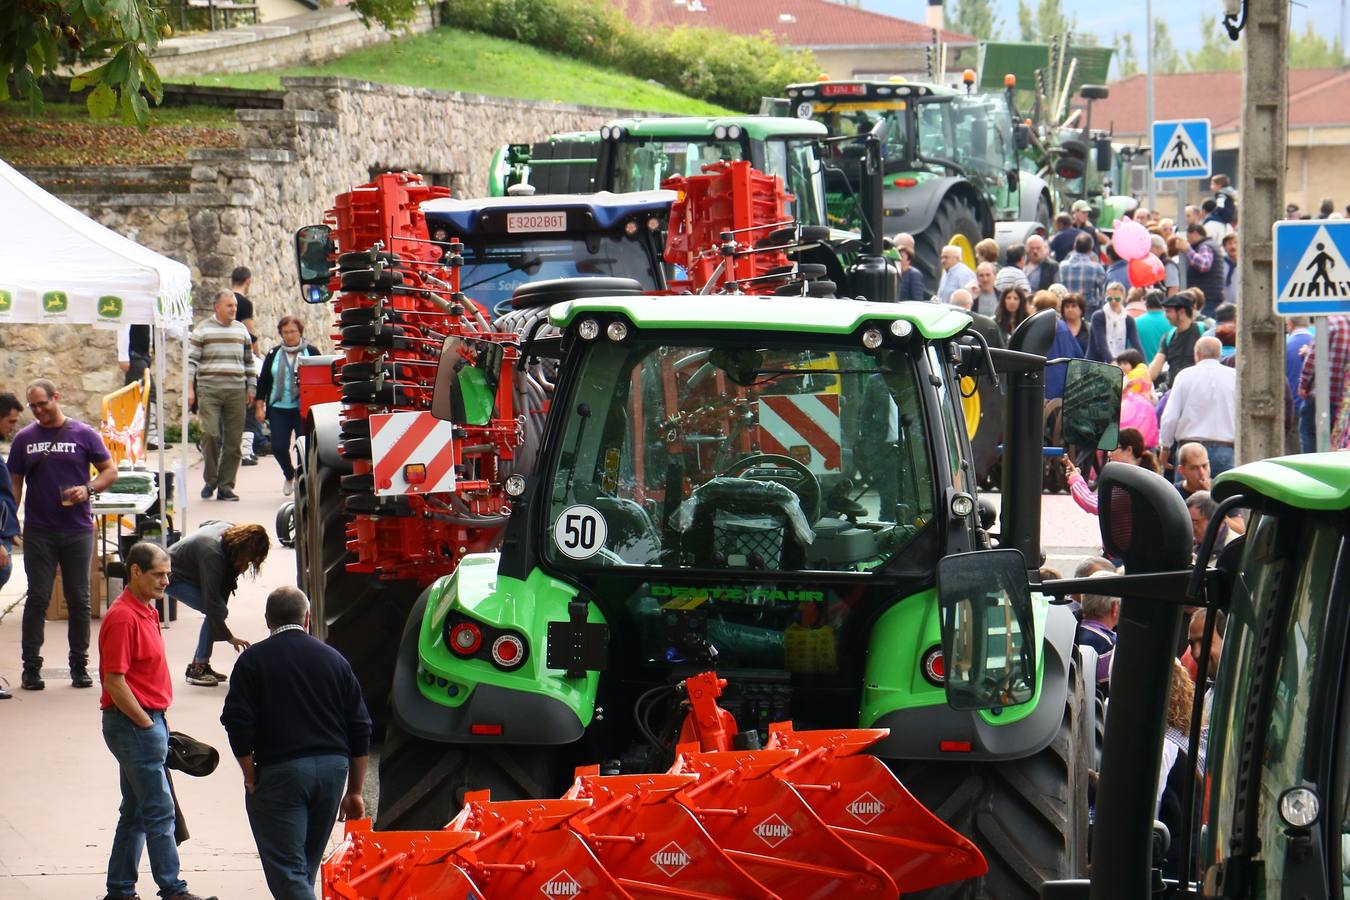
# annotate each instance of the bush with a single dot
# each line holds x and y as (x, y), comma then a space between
(731, 70)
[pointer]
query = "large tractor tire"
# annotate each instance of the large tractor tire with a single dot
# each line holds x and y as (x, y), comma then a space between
(352, 612)
(1029, 817)
(422, 783)
(956, 215)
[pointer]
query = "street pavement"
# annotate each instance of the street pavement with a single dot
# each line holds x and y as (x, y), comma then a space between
(58, 782)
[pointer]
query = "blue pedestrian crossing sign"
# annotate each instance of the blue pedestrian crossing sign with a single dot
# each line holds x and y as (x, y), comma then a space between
(1182, 149)
(1312, 277)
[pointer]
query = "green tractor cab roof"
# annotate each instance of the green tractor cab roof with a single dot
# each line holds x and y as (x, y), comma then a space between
(602, 211)
(1310, 481)
(864, 91)
(757, 128)
(736, 312)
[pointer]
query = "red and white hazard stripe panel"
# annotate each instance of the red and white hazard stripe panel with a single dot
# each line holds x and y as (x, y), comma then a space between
(802, 426)
(411, 453)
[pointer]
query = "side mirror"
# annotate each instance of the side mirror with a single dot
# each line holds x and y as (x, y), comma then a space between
(1021, 136)
(1014, 178)
(988, 644)
(1104, 154)
(1143, 519)
(466, 382)
(1091, 410)
(1094, 92)
(313, 246)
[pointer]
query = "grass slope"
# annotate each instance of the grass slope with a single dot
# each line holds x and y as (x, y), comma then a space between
(451, 60)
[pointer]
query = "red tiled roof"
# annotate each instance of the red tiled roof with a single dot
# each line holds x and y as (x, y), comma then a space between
(799, 23)
(1316, 97)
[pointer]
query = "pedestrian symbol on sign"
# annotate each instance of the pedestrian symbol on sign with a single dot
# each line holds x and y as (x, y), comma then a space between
(1311, 272)
(1179, 154)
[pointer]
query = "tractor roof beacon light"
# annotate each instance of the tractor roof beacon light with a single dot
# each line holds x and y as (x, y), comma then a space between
(968, 79)
(1010, 80)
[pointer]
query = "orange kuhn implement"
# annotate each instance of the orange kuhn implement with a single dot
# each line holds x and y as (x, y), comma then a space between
(811, 816)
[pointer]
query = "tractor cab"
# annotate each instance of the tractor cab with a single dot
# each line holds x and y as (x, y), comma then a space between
(640, 154)
(949, 158)
(507, 241)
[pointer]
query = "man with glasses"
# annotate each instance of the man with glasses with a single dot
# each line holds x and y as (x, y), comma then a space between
(50, 461)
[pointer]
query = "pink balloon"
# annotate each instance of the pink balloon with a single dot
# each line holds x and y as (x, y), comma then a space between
(1131, 240)
(1146, 272)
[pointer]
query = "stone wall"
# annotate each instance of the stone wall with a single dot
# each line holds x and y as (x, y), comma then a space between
(243, 205)
(301, 40)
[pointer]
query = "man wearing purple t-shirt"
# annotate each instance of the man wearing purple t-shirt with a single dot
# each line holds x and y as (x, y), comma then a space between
(51, 459)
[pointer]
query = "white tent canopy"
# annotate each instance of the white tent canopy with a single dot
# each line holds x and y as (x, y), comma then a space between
(60, 266)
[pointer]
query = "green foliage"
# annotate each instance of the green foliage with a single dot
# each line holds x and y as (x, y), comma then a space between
(729, 70)
(172, 432)
(1216, 52)
(1127, 59)
(1042, 21)
(1311, 50)
(975, 18)
(1166, 58)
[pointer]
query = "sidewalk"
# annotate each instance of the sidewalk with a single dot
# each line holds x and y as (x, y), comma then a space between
(60, 787)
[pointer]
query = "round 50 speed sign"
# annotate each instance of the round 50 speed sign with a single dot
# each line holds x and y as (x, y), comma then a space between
(580, 531)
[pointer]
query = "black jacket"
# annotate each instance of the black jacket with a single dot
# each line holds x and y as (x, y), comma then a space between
(265, 374)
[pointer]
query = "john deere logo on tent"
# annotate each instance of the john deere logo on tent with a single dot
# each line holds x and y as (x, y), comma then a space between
(671, 859)
(773, 830)
(866, 808)
(561, 885)
(6, 301)
(109, 307)
(55, 302)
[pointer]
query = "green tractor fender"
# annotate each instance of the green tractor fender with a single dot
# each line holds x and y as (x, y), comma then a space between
(898, 694)
(442, 695)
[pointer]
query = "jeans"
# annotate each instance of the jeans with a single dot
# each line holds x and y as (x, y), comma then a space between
(146, 818)
(1307, 426)
(284, 425)
(43, 551)
(1220, 459)
(190, 595)
(8, 568)
(291, 812)
(220, 411)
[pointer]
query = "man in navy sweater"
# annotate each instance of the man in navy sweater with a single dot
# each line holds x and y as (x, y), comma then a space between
(300, 730)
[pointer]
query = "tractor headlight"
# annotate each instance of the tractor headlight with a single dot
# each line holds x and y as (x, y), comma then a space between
(514, 485)
(962, 505)
(589, 329)
(720, 132)
(617, 331)
(734, 132)
(901, 329)
(871, 338)
(604, 132)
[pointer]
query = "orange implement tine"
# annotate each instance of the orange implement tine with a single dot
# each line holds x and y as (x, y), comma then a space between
(655, 847)
(775, 836)
(526, 851)
(862, 801)
(388, 865)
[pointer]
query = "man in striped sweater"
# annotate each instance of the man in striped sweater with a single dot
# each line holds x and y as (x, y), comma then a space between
(220, 366)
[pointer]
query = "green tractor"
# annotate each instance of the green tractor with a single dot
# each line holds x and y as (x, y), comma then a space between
(765, 487)
(1262, 812)
(950, 163)
(639, 154)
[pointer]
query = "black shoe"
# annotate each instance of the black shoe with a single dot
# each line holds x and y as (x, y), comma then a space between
(188, 895)
(121, 897)
(32, 680)
(200, 675)
(226, 494)
(218, 676)
(207, 491)
(4, 694)
(79, 677)
(249, 461)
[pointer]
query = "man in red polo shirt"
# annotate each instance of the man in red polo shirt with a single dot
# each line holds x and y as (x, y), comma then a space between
(136, 693)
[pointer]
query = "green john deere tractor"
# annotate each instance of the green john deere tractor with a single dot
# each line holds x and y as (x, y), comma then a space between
(764, 487)
(950, 163)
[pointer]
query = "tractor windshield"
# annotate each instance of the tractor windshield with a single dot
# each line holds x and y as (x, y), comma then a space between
(644, 165)
(492, 271)
(774, 457)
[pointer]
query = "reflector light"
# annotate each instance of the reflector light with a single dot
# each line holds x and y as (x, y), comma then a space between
(954, 746)
(465, 638)
(508, 650)
(933, 667)
(485, 729)
(905, 182)
(415, 473)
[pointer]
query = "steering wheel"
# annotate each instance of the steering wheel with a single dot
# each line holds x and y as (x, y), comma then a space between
(768, 467)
